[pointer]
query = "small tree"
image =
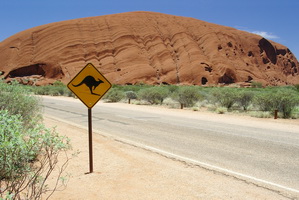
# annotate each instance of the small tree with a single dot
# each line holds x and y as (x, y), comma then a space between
(244, 98)
(131, 95)
(187, 96)
(264, 100)
(284, 100)
(114, 95)
(154, 95)
(224, 97)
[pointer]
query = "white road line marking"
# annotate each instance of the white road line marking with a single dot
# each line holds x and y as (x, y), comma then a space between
(202, 164)
(220, 169)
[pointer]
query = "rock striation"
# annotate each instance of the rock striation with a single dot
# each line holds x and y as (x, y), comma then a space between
(146, 47)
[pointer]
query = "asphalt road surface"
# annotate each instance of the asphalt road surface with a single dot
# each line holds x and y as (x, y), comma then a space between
(262, 152)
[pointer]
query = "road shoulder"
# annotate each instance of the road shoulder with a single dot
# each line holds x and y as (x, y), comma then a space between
(124, 171)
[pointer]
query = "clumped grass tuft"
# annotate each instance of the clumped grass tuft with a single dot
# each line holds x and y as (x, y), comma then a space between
(261, 114)
(221, 110)
(195, 108)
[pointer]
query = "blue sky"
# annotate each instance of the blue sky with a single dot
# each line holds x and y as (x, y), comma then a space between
(277, 20)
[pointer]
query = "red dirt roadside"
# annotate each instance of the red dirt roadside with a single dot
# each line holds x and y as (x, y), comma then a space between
(125, 172)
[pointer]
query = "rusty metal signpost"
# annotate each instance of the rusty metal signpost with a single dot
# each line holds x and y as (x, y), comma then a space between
(89, 85)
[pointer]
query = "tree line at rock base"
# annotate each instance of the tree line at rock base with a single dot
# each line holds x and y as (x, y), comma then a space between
(255, 101)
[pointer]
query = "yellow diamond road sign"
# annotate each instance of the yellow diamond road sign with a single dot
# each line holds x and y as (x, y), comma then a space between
(89, 85)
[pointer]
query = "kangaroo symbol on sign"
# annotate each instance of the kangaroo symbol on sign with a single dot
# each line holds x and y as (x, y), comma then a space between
(91, 83)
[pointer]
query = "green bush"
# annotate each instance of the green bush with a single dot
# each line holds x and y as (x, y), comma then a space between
(261, 114)
(57, 89)
(17, 100)
(295, 114)
(223, 97)
(256, 84)
(221, 110)
(41, 90)
(131, 95)
(281, 99)
(154, 95)
(28, 151)
(286, 101)
(187, 95)
(244, 98)
(52, 90)
(134, 88)
(114, 95)
(27, 156)
(173, 88)
(58, 84)
(264, 100)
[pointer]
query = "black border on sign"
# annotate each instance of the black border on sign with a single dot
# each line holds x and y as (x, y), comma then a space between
(78, 96)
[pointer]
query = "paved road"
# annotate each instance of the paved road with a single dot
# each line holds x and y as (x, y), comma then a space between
(261, 152)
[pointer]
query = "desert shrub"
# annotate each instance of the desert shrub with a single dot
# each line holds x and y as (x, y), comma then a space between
(131, 95)
(114, 95)
(17, 100)
(256, 84)
(58, 83)
(28, 151)
(134, 88)
(263, 100)
(195, 108)
(52, 90)
(153, 95)
(286, 101)
(187, 96)
(69, 93)
(221, 110)
(41, 90)
(244, 98)
(27, 157)
(56, 89)
(223, 97)
(295, 114)
(281, 99)
(261, 114)
(173, 88)
(169, 102)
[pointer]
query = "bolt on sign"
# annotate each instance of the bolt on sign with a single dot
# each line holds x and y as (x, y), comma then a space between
(89, 85)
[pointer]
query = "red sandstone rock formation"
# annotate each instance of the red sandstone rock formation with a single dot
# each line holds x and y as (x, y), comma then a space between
(147, 47)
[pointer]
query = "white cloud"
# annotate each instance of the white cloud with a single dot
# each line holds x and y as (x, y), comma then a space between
(261, 33)
(265, 34)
